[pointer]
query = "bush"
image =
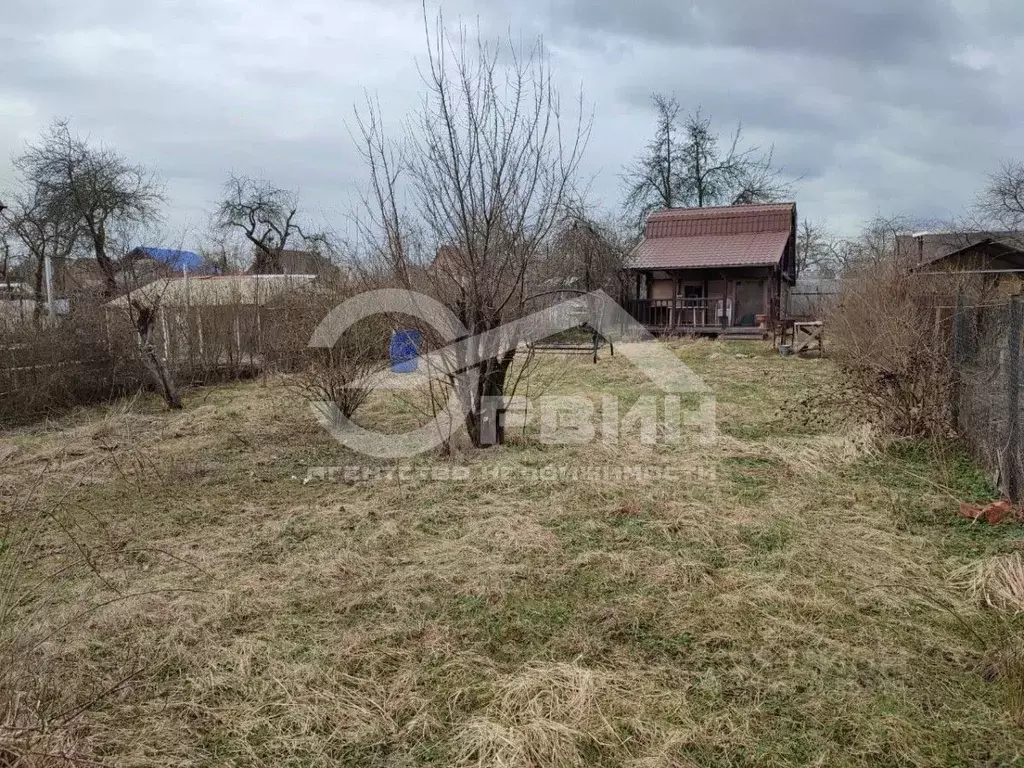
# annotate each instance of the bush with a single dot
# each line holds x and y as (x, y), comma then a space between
(338, 375)
(887, 336)
(47, 369)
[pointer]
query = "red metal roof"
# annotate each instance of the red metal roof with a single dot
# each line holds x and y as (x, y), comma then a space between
(732, 236)
(751, 250)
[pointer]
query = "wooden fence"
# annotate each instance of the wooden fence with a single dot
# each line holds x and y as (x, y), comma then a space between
(88, 358)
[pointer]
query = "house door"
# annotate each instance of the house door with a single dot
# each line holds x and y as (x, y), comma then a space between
(749, 302)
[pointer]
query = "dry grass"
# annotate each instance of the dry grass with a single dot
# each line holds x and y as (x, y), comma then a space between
(999, 583)
(802, 605)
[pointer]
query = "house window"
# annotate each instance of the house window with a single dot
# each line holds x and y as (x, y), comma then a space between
(691, 291)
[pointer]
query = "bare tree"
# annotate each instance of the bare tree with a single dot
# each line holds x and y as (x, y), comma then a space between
(1001, 203)
(686, 165)
(269, 218)
(818, 251)
(883, 240)
(5, 250)
(142, 308)
(655, 178)
(225, 250)
(47, 228)
(96, 185)
(10, 259)
(489, 169)
(585, 254)
(712, 175)
(759, 180)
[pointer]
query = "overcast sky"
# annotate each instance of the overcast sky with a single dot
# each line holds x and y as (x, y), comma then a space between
(880, 106)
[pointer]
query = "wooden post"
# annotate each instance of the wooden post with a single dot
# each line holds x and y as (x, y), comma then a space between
(956, 352)
(673, 307)
(106, 327)
(1015, 337)
(202, 346)
(238, 342)
(167, 336)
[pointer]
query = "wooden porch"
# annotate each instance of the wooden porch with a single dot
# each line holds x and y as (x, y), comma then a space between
(686, 316)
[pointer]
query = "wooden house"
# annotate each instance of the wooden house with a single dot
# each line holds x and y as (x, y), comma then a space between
(714, 271)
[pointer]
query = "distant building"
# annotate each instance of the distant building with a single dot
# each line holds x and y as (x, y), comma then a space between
(219, 319)
(300, 262)
(294, 262)
(990, 251)
(995, 260)
(214, 291)
(165, 262)
(18, 303)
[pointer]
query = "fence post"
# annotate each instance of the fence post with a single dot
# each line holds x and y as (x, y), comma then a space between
(1014, 339)
(957, 353)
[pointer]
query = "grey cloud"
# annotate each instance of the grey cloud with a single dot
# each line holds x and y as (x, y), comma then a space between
(864, 30)
(877, 105)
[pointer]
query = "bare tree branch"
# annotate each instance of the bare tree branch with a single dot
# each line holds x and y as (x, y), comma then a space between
(95, 187)
(488, 170)
(268, 217)
(684, 165)
(1001, 204)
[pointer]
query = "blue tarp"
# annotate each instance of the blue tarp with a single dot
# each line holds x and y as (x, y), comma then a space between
(405, 350)
(177, 260)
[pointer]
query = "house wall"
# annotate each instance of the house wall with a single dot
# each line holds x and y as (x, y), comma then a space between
(663, 289)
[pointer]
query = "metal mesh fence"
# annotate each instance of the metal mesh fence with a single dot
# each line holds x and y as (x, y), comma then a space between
(986, 357)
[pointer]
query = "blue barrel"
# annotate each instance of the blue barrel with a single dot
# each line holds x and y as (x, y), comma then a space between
(404, 349)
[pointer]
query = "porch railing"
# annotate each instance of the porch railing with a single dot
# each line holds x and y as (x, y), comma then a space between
(680, 312)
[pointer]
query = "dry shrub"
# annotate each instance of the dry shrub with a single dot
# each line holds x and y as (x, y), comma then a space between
(884, 335)
(46, 369)
(340, 375)
(39, 717)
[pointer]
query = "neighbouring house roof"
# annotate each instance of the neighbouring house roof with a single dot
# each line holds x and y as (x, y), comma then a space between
(296, 262)
(70, 274)
(178, 261)
(977, 250)
(731, 236)
(448, 261)
(218, 290)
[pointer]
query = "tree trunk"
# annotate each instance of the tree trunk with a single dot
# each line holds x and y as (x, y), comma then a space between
(483, 419)
(145, 318)
(99, 243)
(267, 262)
(37, 311)
(162, 376)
